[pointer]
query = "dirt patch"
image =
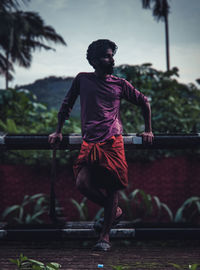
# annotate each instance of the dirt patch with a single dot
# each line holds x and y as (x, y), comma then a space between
(78, 255)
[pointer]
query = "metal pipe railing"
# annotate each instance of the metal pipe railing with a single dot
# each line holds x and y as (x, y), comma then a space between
(73, 141)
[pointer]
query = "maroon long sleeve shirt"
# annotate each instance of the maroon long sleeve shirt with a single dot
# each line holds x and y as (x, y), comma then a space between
(100, 104)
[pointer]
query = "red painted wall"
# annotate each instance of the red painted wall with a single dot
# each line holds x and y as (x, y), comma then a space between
(173, 180)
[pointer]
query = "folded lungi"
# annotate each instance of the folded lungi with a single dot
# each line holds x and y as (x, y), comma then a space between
(104, 159)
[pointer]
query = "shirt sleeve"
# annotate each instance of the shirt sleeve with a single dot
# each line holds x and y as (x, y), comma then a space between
(130, 93)
(70, 99)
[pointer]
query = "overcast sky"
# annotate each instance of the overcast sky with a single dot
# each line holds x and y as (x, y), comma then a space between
(140, 38)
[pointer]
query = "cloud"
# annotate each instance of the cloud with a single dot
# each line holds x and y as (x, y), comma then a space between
(57, 5)
(187, 59)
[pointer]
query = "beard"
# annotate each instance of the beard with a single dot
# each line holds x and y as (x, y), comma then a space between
(107, 68)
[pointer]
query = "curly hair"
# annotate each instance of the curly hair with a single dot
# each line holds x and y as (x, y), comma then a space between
(97, 48)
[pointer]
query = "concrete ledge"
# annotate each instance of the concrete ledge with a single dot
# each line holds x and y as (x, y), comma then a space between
(118, 233)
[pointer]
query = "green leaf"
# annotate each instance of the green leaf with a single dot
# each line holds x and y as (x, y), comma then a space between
(18, 220)
(21, 212)
(133, 194)
(99, 214)
(38, 214)
(124, 196)
(26, 200)
(120, 267)
(17, 262)
(180, 212)
(10, 210)
(53, 266)
(33, 197)
(36, 262)
(191, 200)
(169, 212)
(198, 206)
(22, 257)
(13, 261)
(158, 202)
(147, 201)
(28, 219)
(38, 267)
(179, 215)
(82, 208)
(3, 125)
(39, 202)
(176, 266)
(194, 266)
(84, 200)
(76, 204)
(11, 126)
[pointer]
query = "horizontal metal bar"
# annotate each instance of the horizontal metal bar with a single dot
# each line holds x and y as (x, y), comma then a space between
(122, 233)
(73, 141)
(62, 233)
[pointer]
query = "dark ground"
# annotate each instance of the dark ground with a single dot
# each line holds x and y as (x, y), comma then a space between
(76, 254)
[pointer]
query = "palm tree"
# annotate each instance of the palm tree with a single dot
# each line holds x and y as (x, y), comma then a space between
(6, 68)
(160, 12)
(8, 5)
(20, 35)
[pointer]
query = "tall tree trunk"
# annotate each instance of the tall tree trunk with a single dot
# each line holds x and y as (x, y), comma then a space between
(167, 41)
(8, 55)
(7, 69)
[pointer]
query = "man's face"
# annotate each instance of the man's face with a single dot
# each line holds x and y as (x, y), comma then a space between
(106, 62)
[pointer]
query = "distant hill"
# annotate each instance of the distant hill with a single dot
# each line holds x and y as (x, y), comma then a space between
(52, 91)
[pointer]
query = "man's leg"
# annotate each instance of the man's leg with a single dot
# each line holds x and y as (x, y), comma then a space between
(83, 183)
(111, 211)
(108, 201)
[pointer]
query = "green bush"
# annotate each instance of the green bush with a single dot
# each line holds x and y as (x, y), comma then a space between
(21, 113)
(30, 211)
(175, 106)
(24, 263)
(142, 207)
(189, 211)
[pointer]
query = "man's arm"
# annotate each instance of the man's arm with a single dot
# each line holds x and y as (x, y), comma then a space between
(146, 111)
(65, 110)
(57, 134)
(130, 93)
(61, 121)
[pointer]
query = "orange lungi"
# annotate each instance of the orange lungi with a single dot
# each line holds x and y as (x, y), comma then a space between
(109, 156)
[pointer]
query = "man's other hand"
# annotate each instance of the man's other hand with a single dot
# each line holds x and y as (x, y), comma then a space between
(54, 137)
(147, 137)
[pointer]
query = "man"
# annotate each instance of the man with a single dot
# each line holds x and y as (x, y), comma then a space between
(101, 168)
